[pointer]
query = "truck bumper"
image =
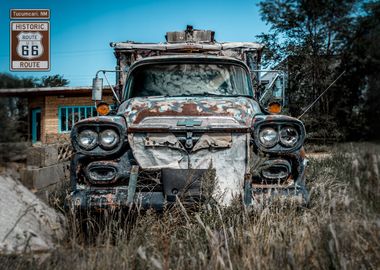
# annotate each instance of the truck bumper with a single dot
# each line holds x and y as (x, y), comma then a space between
(294, 193)
(89, 200)
(98, 200)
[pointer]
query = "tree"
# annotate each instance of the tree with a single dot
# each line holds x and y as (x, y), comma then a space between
(362, 61)
(53, 81)
(14, 111)
(308, 39)
(10, 81)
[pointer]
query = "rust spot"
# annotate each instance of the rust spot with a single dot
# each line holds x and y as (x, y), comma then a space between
(187, 109)
(302, 153)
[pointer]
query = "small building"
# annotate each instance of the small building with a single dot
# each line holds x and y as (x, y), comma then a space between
(54, 110)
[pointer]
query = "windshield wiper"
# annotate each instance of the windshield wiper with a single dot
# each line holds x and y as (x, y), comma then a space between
(211, 94)
(205, 94)
(195, 94)
(241, 95)
(225, 95)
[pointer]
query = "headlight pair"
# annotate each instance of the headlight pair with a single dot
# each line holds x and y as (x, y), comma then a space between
(89, 139)
(288, 136)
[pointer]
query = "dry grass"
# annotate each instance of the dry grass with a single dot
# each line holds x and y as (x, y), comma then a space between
(339, 230)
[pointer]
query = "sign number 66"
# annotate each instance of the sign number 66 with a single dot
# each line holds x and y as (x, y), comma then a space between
(26, 50)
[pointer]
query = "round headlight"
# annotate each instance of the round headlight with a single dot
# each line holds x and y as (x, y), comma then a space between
(108, 138)
(268, 137)
(88, 139)
(289, 136)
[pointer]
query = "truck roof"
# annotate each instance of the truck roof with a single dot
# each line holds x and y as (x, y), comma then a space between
(215, 46)
(184, 43)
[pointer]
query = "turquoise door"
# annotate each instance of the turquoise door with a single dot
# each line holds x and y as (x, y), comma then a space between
(36, 125)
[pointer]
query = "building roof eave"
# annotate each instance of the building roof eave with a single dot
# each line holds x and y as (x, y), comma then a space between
(48, 91)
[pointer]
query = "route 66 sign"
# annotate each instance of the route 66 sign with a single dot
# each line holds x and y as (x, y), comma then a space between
(30, 46)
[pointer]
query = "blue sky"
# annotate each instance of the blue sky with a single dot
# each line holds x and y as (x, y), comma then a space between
(82, 30)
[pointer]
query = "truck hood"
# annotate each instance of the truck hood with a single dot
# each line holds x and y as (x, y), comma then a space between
(189, 112)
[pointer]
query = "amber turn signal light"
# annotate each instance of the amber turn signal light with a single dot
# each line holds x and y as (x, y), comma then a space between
(103, 108)
(274, 107)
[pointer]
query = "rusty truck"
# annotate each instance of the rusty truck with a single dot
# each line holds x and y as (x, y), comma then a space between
(182, 108)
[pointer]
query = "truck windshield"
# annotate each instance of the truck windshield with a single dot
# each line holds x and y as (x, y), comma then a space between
(189, 79)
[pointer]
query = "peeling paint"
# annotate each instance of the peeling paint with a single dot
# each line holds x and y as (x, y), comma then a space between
(170, 136)
(240, 109)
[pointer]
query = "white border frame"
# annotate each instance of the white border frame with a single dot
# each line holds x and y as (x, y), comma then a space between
(10, 48)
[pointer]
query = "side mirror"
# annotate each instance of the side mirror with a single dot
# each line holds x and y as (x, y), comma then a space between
(273, 90)
(97, 89)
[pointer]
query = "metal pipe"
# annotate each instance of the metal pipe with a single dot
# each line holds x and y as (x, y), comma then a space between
(132, 184)
(113, 90)
(247, 192)
(106, 70)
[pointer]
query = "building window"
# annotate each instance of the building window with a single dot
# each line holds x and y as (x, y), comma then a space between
(69, 115)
